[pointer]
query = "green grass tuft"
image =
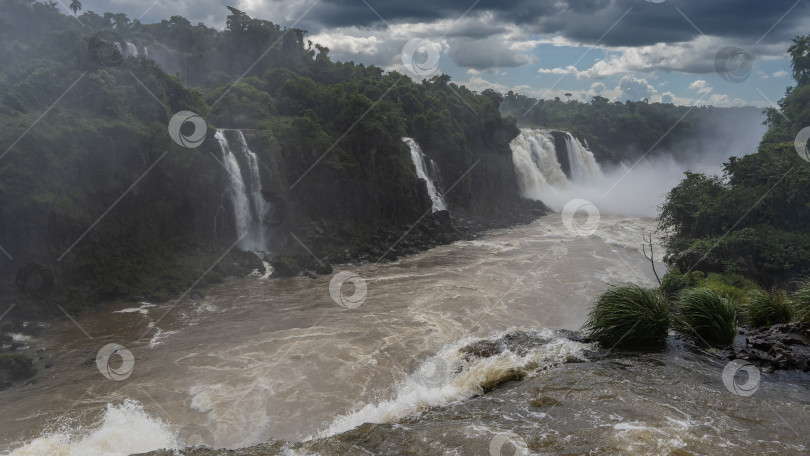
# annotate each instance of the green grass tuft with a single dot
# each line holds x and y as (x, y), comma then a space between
(801, 301)
(629, 315)
(769, 308)
(707, 312)
(734, 287)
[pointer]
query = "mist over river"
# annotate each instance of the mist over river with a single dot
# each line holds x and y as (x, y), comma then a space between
(257, 359)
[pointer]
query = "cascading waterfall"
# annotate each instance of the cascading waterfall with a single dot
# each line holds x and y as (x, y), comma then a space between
(255, 184)
(248, 204)
(132, 50)
(583, 164)
(535, 158)
(540, 175)
(430, 177)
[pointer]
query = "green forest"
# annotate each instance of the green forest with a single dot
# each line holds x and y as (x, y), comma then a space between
(738, 246)
(94, 191)
(82, 124)
(753, 219)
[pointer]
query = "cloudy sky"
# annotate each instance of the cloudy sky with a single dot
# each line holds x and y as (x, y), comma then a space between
(663, 50)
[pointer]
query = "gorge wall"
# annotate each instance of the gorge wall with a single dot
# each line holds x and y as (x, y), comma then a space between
(99, 201)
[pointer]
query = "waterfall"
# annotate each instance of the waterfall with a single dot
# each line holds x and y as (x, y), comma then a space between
(540, 175)
(583, 165)
(132, 50)
(430, 175)
(248, 204)
(255, 184)
(535, 160)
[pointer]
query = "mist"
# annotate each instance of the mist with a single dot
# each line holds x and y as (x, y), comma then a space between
(637, 189)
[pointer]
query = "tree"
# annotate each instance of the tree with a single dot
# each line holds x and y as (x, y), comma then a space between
(568, 95)
(237, 21)
(75, 6)
(754, 219)
(600, 100)
(800, 59)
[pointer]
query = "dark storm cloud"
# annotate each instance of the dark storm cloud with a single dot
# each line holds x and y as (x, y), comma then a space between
(484, 54)
(580, 20)
(586, 20)
(745, 21)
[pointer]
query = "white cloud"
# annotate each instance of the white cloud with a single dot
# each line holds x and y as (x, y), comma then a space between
(629, 87)
(701, 86)
(473, 71)
(696, 57)
(635, 89)
(780, 74)
(473, 43)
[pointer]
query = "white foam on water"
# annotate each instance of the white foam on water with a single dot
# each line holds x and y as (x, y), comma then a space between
(19, 337)
(143, 309)
(159, 336)
(237, 415)
(460, 380)
(664, 438)
(124, 429)
(268, 269)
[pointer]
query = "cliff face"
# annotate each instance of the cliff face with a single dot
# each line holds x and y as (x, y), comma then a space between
(107, 214)
(167, 229)
(358, 211)
(104, 199)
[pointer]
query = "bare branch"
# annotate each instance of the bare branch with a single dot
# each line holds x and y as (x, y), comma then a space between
(648, 241)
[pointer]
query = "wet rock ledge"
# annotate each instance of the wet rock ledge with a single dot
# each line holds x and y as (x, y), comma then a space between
(782, 346)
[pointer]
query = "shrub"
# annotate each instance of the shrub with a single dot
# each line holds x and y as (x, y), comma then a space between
(734, 287)
(769, 308)
(672, 282)
(692, 278)
(627, 314)
(801, 301)
(711, 315)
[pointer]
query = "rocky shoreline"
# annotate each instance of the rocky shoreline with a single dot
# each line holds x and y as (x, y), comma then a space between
(319, 245)
(780, 347)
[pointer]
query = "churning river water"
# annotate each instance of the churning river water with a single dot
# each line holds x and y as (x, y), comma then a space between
(256, 359)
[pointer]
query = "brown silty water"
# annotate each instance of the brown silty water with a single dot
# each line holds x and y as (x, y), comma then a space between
(258, 359)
